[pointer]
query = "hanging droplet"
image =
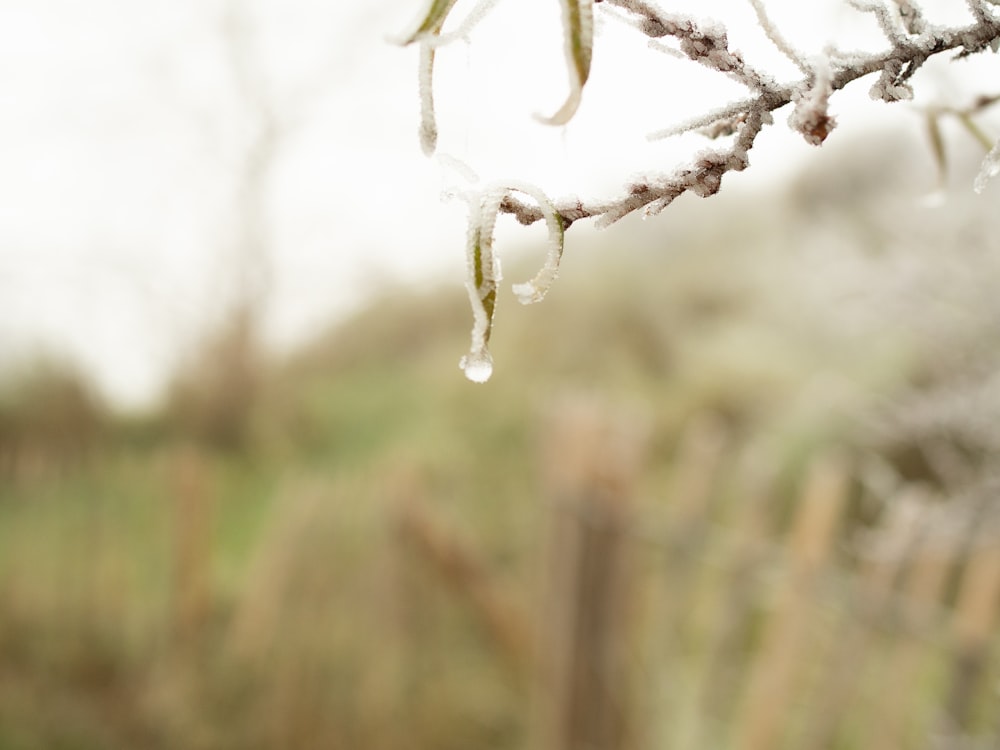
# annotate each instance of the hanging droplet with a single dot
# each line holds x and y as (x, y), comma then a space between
(478, 366)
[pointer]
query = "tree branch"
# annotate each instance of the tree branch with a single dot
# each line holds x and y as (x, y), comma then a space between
(911, 46)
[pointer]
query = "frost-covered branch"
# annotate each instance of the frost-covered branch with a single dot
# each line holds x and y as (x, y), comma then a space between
(746, 118)
(912, 41)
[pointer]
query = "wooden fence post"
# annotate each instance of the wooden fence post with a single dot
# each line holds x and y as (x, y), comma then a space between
(890, 710)
(975, 627)
(191, 537)
(772, 684)
(865, 629)
(467, 574)
(591, 461)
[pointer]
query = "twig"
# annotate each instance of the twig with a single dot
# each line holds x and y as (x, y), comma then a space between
(776, 37)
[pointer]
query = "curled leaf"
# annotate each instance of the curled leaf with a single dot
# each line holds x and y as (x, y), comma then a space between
(535, 290)
(578, 24)
(483, 279)
(427, 29)
(484, 269)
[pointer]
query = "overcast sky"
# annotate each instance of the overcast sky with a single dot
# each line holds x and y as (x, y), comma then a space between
(123, 135)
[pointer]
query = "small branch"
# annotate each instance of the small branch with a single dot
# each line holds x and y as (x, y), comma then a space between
(776, 37)
(911, 16)
(979, 10)
(890, 26)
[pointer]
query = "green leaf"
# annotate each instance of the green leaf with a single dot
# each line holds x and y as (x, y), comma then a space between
(578, 23)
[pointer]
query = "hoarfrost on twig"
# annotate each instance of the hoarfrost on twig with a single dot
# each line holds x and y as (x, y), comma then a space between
(912, 42)
(890, 25)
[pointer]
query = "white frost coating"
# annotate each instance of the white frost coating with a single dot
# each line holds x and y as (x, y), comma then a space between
(990, 168)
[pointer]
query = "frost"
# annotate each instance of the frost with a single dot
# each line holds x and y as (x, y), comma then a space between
(990, 168)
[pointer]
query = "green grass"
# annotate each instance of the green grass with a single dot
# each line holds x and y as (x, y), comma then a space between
(319, 627)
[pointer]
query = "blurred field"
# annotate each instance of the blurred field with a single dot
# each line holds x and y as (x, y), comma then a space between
(345, 549)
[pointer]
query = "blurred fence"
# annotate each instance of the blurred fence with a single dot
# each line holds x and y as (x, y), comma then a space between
(722, 618)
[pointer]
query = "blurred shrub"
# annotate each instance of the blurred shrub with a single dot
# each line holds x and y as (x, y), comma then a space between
(49, 417)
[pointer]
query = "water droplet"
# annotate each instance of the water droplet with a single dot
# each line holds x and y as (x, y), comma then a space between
(478, 366)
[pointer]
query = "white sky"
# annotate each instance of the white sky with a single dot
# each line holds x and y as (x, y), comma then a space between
(121, 133)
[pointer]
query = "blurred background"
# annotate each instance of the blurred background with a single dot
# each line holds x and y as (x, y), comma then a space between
(731, 485)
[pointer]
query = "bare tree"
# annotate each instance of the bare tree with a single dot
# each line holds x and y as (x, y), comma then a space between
(911, 41)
